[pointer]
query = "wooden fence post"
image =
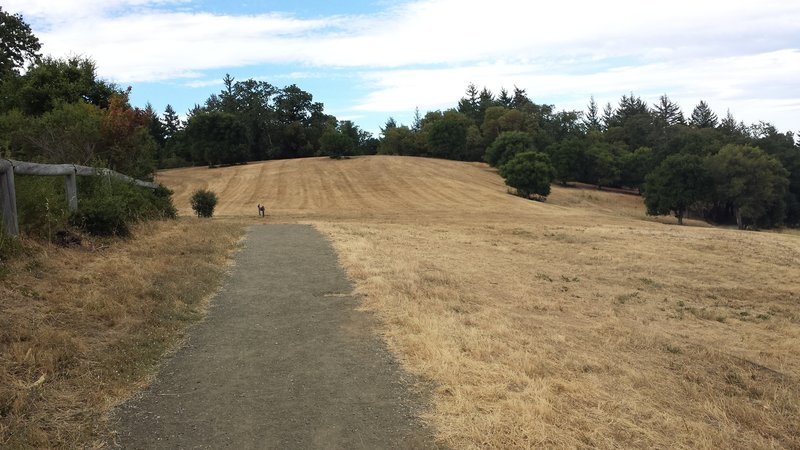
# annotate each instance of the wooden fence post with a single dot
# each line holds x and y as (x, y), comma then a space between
(72, 192)
(8, 199)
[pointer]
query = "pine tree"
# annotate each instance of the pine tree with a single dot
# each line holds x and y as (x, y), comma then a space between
(592, 119)
(667, 112)
(702, 116)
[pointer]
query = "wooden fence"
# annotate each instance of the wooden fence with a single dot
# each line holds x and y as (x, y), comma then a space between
(8, 196)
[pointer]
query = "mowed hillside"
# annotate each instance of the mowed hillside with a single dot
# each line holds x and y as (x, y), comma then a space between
(574, 323)
(391, 187)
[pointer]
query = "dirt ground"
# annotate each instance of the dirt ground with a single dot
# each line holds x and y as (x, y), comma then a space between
(284, 360)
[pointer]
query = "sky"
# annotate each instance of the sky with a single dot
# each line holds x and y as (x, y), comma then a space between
(368, 60)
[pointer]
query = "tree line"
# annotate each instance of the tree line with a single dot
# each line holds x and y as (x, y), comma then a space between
(253, 120)
(718, 169)
(58, 110)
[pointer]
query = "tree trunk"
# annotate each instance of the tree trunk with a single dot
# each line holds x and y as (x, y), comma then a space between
(739, 221)
(679, 215)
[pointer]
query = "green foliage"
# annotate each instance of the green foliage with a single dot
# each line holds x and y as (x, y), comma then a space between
(703, 116)
(106, 206)
(447, 135)
(506, 146)
(203, 202)
(216, 138)
(603, 164)
(53, 81)
(18, 44)
(530, 173)
(336, 144)
(636, 165)
(399, 141)
(569, 159)
(678, 184)
(752, 183)
(109, 206)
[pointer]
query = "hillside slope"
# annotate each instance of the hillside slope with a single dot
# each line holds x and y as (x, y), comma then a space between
(391, 187)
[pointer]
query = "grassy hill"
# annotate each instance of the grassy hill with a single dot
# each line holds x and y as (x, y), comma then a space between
(576, 322)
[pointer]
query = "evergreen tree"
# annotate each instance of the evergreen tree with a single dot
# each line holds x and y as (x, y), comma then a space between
(592, 119)
(171, 121)
(667, 113)
(702, 116)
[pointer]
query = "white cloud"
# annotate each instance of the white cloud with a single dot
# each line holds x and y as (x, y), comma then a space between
(426, 51)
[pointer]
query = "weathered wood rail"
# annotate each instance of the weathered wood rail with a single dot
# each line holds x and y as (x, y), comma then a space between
(8, 197)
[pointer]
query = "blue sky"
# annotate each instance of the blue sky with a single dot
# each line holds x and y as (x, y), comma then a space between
(367, 60)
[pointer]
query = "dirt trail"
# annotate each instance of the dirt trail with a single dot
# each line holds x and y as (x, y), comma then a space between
(284, 360)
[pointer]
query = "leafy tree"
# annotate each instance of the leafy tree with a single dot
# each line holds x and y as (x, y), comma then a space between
(70, 133)
(603, 164)
(447, 135)
(702, 116)
(336, 144)
(504, 99)
(677, 185)
(636, 165)
(203, 202)
(398, 141)
(216, 138)
(506, 146)
(54, 81)
(530, 173)
(568, 158)
(126, 142)
(18, 44)
(491, 126)
(749, 181)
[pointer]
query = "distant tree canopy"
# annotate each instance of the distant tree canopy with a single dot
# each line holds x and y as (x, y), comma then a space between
(276, 123)
(621, 146)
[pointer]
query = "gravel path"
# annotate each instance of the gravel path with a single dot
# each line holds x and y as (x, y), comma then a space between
(284, 360)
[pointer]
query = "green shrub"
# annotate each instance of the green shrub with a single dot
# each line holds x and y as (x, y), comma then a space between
(108, 206)
(530, 173)
(204, 202)
(102, 216)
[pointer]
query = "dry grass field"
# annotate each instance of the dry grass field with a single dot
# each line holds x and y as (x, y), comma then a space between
(578, 322)
(81, 329)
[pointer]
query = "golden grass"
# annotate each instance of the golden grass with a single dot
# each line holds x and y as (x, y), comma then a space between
(579, 322)
(82, 329)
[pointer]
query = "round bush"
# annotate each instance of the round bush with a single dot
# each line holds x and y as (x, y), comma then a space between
(530, 173)
(204, 202)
